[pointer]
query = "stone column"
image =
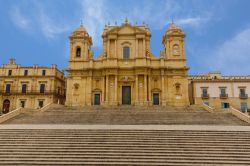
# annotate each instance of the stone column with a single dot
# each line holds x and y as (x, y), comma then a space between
(107, 89)
(145, 89)
(108, 53)
(136, 89)
(163, 88)
(115, 89)
(149, 90)
(90, 91)
(103, 89)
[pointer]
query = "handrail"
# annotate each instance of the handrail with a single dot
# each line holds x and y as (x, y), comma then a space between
(10, 115)
(243, 116)
(208, 108)
(44, 108)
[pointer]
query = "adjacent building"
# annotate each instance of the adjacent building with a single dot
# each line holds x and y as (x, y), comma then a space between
(127, 72)
(220, 91)
(30, 87)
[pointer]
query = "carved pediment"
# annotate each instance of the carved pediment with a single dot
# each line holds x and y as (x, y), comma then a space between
(126, 29)
(97, 90)
(126, 79)
(156, 90)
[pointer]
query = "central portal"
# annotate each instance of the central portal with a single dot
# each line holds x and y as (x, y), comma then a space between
(126, 95)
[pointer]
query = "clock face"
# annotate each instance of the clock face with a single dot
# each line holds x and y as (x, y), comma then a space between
(175, 51)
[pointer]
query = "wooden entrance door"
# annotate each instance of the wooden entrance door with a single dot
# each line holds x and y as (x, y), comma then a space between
(156, 100)
(6, 106)
(126, 95)
(97, 99)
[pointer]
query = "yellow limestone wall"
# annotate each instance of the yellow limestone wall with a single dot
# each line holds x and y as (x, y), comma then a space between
(142, 71)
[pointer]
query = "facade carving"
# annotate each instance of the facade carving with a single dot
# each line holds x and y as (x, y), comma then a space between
(127, 72)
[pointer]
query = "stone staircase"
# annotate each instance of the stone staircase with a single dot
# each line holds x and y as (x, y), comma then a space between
(123, 147)
(192, 115)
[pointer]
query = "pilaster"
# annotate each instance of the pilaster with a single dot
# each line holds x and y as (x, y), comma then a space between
(107, 89)
(145, 90)
(136, 90)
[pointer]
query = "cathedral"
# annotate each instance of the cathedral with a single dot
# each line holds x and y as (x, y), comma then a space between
(127, 72)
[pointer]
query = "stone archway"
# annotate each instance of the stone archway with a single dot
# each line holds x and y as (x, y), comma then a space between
(6, 106)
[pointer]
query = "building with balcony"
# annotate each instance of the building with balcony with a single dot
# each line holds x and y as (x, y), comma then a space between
(30, 87)
(220, 91)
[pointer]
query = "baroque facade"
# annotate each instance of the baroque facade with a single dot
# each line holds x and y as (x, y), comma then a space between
(126, 72)
(220, 91)
(30, 87)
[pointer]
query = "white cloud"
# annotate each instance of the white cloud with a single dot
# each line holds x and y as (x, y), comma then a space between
(37, 20)
(157, 15)
(192, 21)
(19, 19)
(233, 56)
(49, 27)
(96, 14)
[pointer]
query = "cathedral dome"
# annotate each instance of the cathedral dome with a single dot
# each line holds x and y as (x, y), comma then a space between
(80, 32)
(173, 29)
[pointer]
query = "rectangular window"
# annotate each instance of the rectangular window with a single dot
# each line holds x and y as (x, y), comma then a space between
(7, 89)
(243, 106)
(42, 88)
(223, 91)
(40, 103)
(9, 72)
(242, 91)
(22, 103)
(204, 91)
(25, 72)
(44, 72)
(24, 88)
(225, 105)
(126, 52)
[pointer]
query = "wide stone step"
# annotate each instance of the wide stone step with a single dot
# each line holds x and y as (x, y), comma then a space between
(203, 160)
(114, 141)
(123, 147)
(155, 152)
(121, 154)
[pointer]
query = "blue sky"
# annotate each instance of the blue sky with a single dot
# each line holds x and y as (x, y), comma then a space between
(218, 31)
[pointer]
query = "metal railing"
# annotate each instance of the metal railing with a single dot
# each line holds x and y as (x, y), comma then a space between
(223, 96)
(32, 92)
(204, 96)
(243, 96)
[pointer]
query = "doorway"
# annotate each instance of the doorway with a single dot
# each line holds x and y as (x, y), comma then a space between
(97, 99)
(6, 106)
(225, 105)
(156, 100)
(126, 95)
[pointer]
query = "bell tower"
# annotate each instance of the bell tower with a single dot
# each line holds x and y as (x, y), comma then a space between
(173, 41)
(80, 45)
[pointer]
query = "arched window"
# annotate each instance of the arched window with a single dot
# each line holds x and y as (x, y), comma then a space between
(177, 88)
(126, 52)
(78, 52)
(176, 49)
